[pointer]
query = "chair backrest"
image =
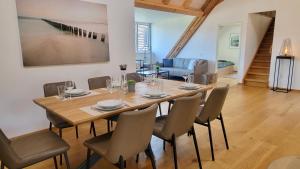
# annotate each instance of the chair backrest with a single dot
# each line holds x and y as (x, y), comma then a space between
(132, 134)
(98, 82)
(7, 154)
(50, 89)
(182, 116)
(214, 104)
(134, 76)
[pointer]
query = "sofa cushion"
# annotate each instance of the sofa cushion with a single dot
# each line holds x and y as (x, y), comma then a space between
(178, 62)
(180, 72)
(192, 64)
(167, 62)
(186, 63)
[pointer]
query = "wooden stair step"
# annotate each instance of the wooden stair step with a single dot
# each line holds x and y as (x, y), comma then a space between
(256, 80)
(256, 83)
(258, 73)
(260, 67)
(262, 61)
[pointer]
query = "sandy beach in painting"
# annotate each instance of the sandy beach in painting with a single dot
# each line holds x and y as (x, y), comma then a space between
(43, 45)
(62, 38)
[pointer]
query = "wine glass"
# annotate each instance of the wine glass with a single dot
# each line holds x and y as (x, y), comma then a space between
(185, 76)
(69, 86)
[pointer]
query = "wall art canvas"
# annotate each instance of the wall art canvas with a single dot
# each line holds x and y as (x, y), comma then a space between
(234, 40)
(60, 32)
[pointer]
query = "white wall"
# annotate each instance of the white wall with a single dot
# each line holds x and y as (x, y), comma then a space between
(224, 52)
(19, 85)
(167, 28)
(287, 25)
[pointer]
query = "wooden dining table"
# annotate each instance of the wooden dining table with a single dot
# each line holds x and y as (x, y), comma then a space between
(79, 110)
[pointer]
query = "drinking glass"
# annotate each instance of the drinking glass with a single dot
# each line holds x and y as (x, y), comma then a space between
(190, 78)
(109, 85)
(61, 91)
(69, 85)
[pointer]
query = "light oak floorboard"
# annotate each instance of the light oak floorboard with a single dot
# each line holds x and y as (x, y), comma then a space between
(262, 126)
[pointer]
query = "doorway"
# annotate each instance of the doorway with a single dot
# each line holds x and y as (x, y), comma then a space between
(229, 50)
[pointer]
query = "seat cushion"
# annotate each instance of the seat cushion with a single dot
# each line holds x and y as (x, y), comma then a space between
(38, 147)
(158, 127)
(180, 72)
(99, 144)
(178, 63)
(57, 121)
(167, 62)
(198, 116)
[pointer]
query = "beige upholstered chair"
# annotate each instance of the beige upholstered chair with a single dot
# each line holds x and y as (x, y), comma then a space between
(131, 136)
(28, 150)
(179, 121)
(211, 111)
(97, 83)
(50, 89)
(134, 76)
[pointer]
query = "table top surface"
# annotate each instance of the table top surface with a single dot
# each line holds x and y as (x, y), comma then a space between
(72, 110)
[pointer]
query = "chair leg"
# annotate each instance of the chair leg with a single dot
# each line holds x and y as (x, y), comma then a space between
(121, 163)
(174, 151)
(50, 126)
(111, 124)
(67, 160)
(150, 154)
(93, 129)
(76, 128)
(169, 108)
(88, 158)
(60, 156)
(160, 111)
(224, 131)
(108, 125)
(137, 158)
(211, 141)
(2, 165)
(196, 147)
(55, 162)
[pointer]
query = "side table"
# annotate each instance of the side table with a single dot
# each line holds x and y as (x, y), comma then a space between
(277, 72)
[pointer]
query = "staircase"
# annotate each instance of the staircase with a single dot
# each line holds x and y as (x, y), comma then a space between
(258, 74)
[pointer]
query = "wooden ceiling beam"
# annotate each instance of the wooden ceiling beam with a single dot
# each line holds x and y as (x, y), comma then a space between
(166, 2)
(187, 3)
(208, 6)
(167, 8)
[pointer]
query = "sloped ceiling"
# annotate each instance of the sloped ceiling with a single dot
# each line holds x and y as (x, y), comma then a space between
(188, 7)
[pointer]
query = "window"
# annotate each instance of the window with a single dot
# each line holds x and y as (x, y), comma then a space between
(143, 37)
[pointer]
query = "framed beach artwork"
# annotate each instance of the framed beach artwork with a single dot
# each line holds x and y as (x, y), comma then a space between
(234, 40)
(60, 32)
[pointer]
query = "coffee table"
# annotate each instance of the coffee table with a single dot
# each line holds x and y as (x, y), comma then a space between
(155, 72)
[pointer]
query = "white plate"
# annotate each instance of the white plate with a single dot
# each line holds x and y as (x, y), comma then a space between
(154, 97)
(109, 104)
(108, 109)
(155, 93)
(75, 91)
(190, 86)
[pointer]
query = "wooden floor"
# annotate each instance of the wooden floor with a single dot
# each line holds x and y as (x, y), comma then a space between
(261, 125)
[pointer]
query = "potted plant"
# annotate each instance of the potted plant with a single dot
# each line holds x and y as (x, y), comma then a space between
(131, 85)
